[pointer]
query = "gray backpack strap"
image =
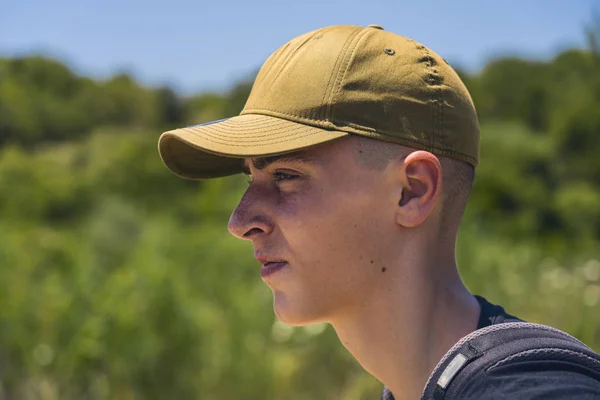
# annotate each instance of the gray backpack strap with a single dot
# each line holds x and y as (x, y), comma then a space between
(498, 344)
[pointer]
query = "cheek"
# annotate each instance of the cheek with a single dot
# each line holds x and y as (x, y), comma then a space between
(333, 237)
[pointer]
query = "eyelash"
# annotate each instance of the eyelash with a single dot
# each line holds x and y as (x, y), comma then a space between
(284, 176)
(279, 176)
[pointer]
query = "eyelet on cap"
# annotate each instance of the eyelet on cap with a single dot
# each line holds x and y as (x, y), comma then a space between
(389, 52)
(375, 26)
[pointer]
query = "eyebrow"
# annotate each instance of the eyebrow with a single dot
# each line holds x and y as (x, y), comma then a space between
(261, 163)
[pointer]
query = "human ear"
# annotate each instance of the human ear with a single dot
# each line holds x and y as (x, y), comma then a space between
(421, 176)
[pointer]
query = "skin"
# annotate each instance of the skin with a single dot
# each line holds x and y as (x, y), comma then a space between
(364, 252)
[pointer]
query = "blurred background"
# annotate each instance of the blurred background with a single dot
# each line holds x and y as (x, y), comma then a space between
(119, 280)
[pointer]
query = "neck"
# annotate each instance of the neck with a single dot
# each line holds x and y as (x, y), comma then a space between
(400, 333)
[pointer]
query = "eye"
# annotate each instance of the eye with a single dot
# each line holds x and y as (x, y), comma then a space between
(282, 176)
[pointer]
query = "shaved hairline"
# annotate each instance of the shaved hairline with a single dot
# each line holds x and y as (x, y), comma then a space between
(457, 176)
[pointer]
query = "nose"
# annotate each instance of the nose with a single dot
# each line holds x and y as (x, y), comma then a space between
(250, 218)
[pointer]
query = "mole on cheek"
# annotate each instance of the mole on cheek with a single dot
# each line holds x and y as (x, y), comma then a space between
(383, 269)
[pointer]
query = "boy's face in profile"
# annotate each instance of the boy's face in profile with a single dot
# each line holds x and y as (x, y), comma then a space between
(321, 225)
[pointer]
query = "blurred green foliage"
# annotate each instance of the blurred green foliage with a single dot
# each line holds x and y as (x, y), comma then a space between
(120, 281)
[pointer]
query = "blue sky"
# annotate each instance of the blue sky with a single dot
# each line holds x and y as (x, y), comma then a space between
(200, 45)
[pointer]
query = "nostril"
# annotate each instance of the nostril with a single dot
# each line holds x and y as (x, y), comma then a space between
(252, 231)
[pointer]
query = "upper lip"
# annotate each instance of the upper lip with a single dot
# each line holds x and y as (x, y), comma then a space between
(265, 259)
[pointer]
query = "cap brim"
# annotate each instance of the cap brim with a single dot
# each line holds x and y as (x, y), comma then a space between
(218, 148)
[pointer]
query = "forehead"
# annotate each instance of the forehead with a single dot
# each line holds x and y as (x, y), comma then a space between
(313, 155)
(305, 156)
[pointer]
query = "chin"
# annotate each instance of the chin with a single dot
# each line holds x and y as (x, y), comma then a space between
(295, 313)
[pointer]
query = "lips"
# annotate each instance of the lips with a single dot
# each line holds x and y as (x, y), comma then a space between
(270, 265)
(271, 268)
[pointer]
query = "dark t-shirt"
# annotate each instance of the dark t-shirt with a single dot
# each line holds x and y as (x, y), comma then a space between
(536, 380)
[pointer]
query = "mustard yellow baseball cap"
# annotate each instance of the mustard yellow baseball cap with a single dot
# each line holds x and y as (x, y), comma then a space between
(330, 83)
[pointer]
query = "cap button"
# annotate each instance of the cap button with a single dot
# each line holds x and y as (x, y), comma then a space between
(375, 26)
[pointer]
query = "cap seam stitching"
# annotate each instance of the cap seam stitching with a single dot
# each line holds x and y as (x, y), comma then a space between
(341, 75)
(260, 111)
(226, 137)
(232, 124)
(240, 145)
(335, 72)
(289, 58)
(270, 67)
(364, 129)
(443, 151)
(244, 125)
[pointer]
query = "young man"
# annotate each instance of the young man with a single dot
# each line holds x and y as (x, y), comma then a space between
(361, 147)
